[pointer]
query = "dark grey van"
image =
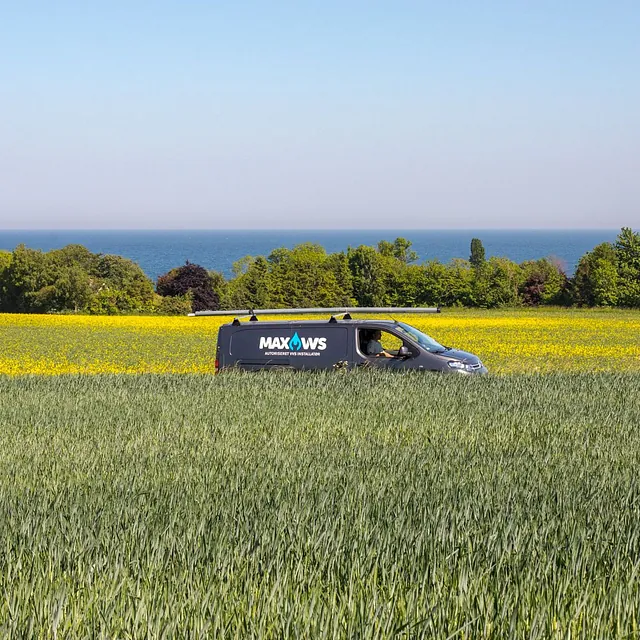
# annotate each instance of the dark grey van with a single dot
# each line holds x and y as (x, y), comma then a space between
(336, 343)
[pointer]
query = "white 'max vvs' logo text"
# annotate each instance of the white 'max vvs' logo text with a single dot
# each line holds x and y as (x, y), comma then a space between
(295, 343)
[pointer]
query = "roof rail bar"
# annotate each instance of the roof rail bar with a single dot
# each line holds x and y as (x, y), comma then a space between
(316, 310)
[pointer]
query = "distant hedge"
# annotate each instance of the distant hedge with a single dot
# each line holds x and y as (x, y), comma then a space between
(73, 279)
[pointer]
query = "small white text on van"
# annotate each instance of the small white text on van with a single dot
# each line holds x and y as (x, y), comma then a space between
(282, 344)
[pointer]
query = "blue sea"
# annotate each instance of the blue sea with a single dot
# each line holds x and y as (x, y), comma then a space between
(158, 251)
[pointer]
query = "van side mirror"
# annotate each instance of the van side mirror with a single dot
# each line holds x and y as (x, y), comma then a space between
(403, 352)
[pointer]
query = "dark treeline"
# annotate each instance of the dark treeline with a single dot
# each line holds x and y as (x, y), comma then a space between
(73, 279)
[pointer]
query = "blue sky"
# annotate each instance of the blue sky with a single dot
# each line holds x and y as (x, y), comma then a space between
(319, 114)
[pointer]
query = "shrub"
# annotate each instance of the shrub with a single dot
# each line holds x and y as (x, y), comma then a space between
(190, 279)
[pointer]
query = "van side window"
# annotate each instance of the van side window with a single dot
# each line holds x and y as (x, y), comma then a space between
(376, 343)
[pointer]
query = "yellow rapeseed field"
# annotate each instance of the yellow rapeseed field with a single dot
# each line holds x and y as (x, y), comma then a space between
(513, 341)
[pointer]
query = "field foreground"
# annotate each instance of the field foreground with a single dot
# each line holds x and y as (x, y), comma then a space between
(512, 341)
(320, 505)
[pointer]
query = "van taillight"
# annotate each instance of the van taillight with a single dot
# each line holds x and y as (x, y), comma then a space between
(217, 365)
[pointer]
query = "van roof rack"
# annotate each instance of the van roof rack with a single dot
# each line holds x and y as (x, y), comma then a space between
(345, 312)
(236, 321)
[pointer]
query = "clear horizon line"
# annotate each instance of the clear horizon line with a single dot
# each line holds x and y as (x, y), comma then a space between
(297, 229)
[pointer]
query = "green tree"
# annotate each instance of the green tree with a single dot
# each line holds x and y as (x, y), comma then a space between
(408, 286)
(306, 276)
(593, 271)
(36, 281)
(5, 263)
(73, 255)
(28, 273)
(218, 283)
(496, 283)
(400, 249)
(338, 264)
(72, 289)
(605, 282)
(123, 286)
(434, 283)
(627, 248)
(369, 276)
(458, 286)
(250, 287)
(477, 257)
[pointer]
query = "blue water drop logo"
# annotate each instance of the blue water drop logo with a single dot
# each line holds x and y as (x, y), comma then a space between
(296, 343)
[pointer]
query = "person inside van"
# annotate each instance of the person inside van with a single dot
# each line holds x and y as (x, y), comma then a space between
(374, 348)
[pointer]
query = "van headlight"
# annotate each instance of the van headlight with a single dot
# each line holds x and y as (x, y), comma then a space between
(459, 366)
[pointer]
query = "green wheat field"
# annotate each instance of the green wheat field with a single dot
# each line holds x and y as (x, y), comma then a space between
(339, 505)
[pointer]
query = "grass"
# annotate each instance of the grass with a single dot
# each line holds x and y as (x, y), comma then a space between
(346, 505)
(507, 341)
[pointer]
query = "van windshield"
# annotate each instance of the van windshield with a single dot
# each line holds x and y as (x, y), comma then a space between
(425, 341)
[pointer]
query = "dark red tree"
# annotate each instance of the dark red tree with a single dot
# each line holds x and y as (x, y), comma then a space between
(190, 278)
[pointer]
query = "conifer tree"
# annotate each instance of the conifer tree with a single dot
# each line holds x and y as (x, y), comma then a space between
(477, 258)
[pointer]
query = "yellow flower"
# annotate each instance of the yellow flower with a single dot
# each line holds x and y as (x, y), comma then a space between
(515, 341)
